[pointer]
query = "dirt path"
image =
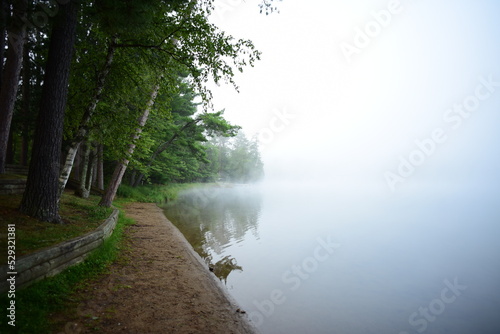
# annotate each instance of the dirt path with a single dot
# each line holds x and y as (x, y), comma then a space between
(158, 286)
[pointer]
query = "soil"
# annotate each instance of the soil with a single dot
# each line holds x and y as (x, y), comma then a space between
(159, 285)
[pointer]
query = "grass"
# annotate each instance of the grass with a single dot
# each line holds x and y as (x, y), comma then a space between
(80, 216)
(12, 177)
(154, 193)
(36, 303)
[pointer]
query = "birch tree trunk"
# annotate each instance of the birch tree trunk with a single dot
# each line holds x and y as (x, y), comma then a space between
(100, 167)
(82, 131)
(121, 167)
(92, 168)
(26, 91)
(87, 171)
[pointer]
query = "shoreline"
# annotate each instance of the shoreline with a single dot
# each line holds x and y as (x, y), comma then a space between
(217, 284)
(159, 284)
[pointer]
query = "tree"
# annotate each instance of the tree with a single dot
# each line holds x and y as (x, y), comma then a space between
(183, 38)
(165, 35)
(10, 76)
(121, 167)
(188, 127)
(87, 170)
(29, 93)
(187, 38)
(121, 46)
(41, 197)
(106, 21)
(83, 127)
(237, 159)
(4, 13)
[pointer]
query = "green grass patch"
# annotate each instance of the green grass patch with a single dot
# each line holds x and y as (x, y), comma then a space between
(80, 216)
(154, 193)
(12, 177)
(36, 303)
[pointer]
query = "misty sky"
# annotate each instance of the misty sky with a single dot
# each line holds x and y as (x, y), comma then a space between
(394, 94)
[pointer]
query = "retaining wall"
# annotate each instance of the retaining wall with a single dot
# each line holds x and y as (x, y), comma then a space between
(9, 187)
(51, 261)
(13, 186)
(16, 169)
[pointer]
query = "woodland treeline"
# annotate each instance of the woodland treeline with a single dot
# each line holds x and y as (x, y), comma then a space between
(113, 91)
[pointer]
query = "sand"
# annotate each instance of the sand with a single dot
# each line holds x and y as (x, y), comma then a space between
(158, 285)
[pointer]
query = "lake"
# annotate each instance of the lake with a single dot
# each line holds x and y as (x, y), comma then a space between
(309, 258)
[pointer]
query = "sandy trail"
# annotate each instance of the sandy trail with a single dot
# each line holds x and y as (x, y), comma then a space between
(157, 286)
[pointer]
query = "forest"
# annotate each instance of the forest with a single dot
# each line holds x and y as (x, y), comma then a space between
(107, 92)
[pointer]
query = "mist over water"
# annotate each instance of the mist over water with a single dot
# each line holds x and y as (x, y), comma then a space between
(317, 258)
(380, 209)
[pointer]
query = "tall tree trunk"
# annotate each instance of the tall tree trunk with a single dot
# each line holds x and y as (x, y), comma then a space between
(84, 165)
(4, 14)
(77, 165)
(26, 92)
(41, 197)
(114, 183)
(121, 167)
(82, 131)
(100, 167)
(87, 170)
(11, 149)
(10, 77)
(133, 178)
(92, 168)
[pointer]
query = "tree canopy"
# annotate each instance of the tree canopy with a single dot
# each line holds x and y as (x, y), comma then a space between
(130, 88)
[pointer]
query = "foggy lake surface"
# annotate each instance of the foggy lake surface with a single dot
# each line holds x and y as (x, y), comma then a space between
(315, 259)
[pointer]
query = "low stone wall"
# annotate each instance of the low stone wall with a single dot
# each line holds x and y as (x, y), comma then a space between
(51, 261)
(16, 169)
(9, 187)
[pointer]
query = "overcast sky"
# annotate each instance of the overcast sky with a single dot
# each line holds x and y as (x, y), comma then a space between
(389, 93)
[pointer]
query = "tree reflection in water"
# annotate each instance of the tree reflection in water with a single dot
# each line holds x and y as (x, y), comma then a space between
(215, 217)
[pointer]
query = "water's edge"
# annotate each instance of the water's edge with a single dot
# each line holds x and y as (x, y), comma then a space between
(212, 280)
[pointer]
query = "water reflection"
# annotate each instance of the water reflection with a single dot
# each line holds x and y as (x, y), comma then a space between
(322, 260)
(214, 218)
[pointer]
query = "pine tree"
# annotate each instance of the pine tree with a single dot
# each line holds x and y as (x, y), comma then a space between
(41, 197)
